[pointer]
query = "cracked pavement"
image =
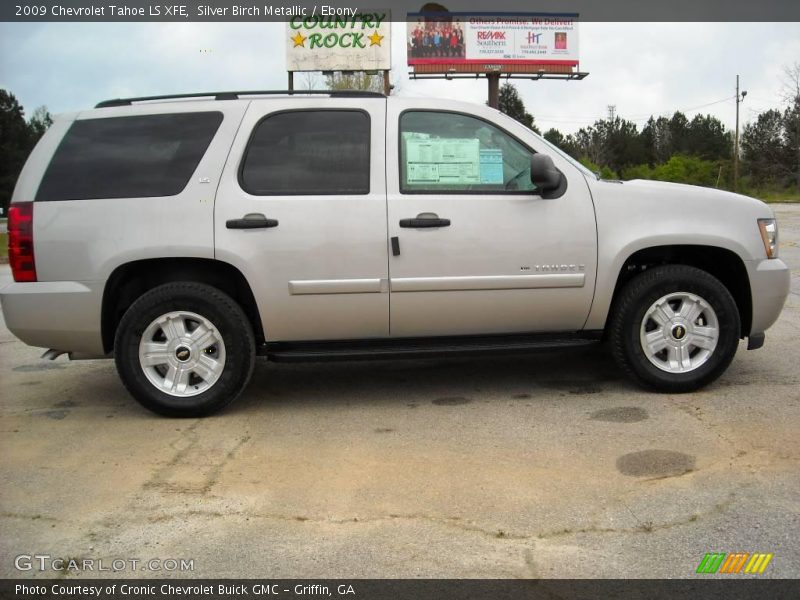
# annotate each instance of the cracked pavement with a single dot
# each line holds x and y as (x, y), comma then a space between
(545, 465)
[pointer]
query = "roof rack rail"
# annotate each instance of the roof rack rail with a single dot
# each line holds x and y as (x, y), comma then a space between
(237, 95)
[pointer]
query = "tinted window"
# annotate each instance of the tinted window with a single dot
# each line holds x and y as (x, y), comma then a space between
(128, 157)
(450, 152)
(308, 152)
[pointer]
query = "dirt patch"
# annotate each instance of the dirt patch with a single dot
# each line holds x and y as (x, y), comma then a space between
(620, 414)
(655, 463)
(452, 401)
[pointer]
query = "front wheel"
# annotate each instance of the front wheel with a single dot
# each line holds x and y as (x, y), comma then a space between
(674, 328)
(184, 349)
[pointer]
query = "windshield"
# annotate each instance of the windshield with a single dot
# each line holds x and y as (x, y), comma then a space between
(584, 170)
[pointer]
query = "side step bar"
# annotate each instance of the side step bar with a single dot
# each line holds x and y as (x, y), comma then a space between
(424, 347)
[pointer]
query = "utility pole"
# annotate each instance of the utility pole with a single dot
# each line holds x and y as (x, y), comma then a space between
(739, 100)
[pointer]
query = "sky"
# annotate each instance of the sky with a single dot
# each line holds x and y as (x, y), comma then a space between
(640, 68)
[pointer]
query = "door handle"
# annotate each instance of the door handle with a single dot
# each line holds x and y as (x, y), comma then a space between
(424, 220)
(251, 221)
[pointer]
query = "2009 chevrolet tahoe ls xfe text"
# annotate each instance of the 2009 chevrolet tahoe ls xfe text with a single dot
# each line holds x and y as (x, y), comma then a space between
(184, 236)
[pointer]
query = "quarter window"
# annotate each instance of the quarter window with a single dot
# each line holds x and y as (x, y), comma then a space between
(451, 152)
(128, 157)
(321, 152)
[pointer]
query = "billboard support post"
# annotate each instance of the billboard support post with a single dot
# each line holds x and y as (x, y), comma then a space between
(494, 89)
(291, 81)
(387, 86)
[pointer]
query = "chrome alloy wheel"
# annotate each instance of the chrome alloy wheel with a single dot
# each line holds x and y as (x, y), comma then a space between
(679, 332)
(182, 354)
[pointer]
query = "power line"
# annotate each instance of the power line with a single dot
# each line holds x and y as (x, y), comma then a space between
(637, 118)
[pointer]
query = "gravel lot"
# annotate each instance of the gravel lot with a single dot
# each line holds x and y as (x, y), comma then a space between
(548, 465)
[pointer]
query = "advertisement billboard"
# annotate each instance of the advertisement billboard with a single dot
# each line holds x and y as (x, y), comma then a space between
(523, 42)
(351, 41)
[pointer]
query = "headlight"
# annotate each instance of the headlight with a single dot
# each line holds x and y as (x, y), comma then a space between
(769, 234)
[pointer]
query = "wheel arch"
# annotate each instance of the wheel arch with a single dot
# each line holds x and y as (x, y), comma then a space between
(129, 281)
(724, 264)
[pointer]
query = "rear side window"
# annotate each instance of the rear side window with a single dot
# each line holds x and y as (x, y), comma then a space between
(310, 152)
(128, 157)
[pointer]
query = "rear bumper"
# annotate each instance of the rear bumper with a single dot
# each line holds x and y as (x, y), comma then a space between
(769, 287)
(58, 314)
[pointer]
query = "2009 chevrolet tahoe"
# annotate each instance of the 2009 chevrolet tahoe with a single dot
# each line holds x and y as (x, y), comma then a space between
(184, 236)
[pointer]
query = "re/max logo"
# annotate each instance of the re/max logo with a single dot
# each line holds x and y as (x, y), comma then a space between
(491, 35)
(734, 563)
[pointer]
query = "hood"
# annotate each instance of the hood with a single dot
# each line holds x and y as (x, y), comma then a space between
(689, 196)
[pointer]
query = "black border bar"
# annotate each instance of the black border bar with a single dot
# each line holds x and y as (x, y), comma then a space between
(78, 588)
(402, 10)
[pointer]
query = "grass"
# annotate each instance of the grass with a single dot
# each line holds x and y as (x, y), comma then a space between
(773, 195)
(780, 197)
(3, 246)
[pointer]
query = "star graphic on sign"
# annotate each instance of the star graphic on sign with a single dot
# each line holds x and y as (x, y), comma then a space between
(375, 39)
(299, 40)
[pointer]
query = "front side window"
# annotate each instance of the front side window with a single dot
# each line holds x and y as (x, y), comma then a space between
(451, 152)
(308, 152)
(128, 157)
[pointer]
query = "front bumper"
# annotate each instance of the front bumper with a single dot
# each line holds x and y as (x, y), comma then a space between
(769, 287)
(55, 314)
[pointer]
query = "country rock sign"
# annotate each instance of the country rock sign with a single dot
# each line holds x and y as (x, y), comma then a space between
(345, 42)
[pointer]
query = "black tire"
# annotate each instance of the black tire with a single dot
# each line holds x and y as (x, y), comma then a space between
(633, 302)
(208, 302)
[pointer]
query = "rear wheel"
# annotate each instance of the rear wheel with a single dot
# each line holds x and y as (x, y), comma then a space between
(674, 328)
(184, 349)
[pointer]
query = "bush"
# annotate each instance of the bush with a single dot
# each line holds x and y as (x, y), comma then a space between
(688, 169)
(604, 172)
(637, 172)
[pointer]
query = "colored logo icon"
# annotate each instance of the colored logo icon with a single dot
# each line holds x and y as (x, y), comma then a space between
(734, 563)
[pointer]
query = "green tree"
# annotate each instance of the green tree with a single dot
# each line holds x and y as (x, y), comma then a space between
(566, 143)
(791, 137)
(706, 137)
(15, 143)
(555, 137)
(791, 95)
(39, 122)
(764, 147)
(511, 104)
(356, 80)
(612, 142)
(679, 133)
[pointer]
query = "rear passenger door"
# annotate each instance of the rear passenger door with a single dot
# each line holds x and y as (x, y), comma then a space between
(301, 212)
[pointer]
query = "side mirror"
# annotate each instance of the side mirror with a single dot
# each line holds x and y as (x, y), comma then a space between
(544, 173)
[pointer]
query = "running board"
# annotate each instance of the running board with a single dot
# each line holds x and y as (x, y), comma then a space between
(424, 347)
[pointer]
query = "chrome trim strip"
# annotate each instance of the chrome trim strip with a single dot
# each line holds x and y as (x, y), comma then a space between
(334, 286)
(491, 282)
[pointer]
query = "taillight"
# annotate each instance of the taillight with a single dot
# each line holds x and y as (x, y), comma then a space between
(20, 241)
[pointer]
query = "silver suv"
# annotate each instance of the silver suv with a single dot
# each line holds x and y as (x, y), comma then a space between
(186, 235)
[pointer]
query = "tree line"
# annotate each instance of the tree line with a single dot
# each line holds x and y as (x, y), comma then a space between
(18, 136)
(697, 151)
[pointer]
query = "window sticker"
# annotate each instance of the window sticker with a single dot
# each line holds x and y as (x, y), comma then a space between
(445, 161)
(491, 166)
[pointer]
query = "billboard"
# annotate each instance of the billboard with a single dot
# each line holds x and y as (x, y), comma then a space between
(520, 42)
(352, 41)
